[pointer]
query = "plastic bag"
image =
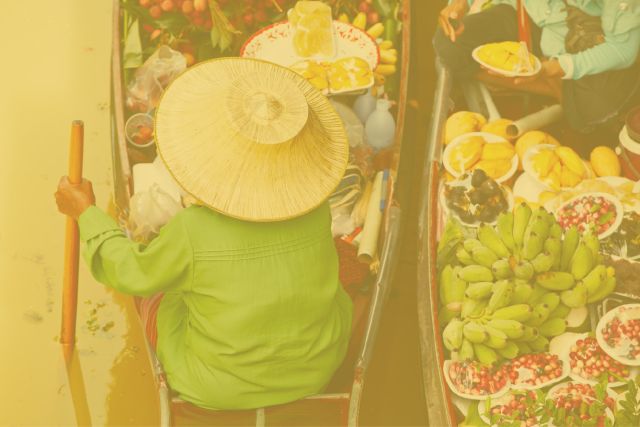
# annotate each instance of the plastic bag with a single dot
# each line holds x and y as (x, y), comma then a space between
(145, 90)
(148, 211)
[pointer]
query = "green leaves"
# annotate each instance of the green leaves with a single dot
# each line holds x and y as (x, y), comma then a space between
(132, 53)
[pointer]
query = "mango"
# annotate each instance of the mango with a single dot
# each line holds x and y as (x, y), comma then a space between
(498, 127)
(530, 139)
(605, 162)
(462, 122)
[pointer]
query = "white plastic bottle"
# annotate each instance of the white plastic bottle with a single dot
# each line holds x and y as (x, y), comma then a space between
(364, 105)
(381, 127)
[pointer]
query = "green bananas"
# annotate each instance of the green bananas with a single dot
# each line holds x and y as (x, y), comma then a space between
(478, 290)
(476, 273)
(504, 226)
(452, 288)
(501, 295)
(475, 332)
(485, 354)
(512, 328)
(555, 280)
(569, 245)
(482, 255)
(488, 236)
(519, 312)
(542, 262)
(521, 217)
(452, 335)
(524, 270)
(582, 261)
(553, 327)
(501, 269)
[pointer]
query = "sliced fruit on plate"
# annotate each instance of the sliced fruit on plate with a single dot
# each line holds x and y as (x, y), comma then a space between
(589, 363)
(618, 333)
(350, 73)
(312, 29)
(536, 370)
(466, 154)
(314, 72)
(601, 212)
(505, 56)
(474, 380)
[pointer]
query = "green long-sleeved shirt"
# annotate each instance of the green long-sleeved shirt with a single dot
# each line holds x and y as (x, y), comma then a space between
(620, 23)
(253, 313)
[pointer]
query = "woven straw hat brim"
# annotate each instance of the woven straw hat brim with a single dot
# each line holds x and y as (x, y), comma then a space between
(243, 172)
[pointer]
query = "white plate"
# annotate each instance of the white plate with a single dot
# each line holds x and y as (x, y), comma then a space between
(614, 200)
(448, 212)
(445, 368)
(603, 322)
(565, 373)
(528, 188)
(273, 43)
(536, 67)
(579, 378)
(527, 165)
(490, 139)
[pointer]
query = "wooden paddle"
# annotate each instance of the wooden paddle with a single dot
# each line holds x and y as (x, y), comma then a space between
(72, 243)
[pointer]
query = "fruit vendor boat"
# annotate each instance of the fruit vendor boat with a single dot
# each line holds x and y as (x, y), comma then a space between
(522, 275)
(340, 403)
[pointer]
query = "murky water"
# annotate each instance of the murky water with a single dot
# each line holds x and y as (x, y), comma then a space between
(55, 68)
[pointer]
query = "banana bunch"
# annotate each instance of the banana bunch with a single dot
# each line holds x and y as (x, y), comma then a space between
(388, 54)
(515, 284)
(559, 167)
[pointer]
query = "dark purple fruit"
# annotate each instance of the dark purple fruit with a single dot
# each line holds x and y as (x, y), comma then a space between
(479, 176)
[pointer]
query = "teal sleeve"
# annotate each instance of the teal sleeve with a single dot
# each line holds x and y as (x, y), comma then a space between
(610, 55)
(129, 267)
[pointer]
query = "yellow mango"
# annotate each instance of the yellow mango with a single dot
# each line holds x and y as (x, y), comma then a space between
(462, 122)
(531, 139)
(498, 151)
(570, 158)
(568, 178)
(466, 154)
(494, 168)
(605, 162)
(498, 127)
(543, 162)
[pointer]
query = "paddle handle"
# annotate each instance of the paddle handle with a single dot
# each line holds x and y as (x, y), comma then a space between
(72, 242)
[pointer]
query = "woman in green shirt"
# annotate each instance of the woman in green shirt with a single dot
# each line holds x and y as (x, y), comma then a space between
(253, 313)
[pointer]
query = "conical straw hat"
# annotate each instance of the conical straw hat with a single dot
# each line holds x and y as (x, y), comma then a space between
(251, 139)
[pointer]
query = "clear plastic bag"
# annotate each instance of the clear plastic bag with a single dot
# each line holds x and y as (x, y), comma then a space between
(145, 90)
(148, 211)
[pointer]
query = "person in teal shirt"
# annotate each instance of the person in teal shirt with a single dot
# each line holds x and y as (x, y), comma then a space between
(594, 83)
(253, 313)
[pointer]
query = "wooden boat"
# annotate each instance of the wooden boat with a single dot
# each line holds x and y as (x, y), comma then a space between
(443, 406)
(340, 403)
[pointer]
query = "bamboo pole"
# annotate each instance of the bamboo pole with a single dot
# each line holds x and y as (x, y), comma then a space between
(72, 243)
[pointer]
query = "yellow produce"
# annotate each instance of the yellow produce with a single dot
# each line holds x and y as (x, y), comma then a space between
(312, 26)
(530, 139)
(498, 151)
(466, 154)
(504, 56)
(376, 30)
(314, 72)
(572, 160)
(343, 18)
(605, 162)
(386, 69)
(360, 21)
(389, 56)
(386, 44)
(568, 178)
(543, 162)
(554, 180)
(545, 196)
(462, 122)
(494, 168)
(498, 127)
(349, 74)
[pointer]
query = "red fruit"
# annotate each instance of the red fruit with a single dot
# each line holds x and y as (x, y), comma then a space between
(167, 5)
(208, 24)
(155, 34)
(189, 58)
(200, 5)
(187, 7)
(373, 17)
(363, 6)
(247, 18)
(198, 21)
(145, 3)
(261, 16)
(155, 12)
(148, 28)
